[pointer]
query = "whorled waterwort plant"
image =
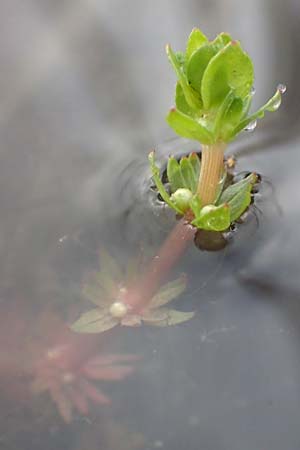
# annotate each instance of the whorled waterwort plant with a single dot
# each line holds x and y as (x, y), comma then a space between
(213, 97)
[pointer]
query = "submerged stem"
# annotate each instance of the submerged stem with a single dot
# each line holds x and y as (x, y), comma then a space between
(139, 295)
(212, 166)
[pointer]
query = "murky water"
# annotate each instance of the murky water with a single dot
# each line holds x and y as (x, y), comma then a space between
(84, 88)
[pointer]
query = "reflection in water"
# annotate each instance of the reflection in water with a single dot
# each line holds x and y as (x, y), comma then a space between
(45, 356)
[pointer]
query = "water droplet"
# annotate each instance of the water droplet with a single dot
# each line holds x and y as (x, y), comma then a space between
(251, 126)
(253, 90)
(281, 88)
(275, 105)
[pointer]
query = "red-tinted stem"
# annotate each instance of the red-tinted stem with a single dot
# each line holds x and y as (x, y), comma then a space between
(160, 266)
(77, 348)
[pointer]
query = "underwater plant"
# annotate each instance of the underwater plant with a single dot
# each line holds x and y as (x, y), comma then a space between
(108, 290)
(74, 388)
(213, 97)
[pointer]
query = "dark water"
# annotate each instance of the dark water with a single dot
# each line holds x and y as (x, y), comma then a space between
(84, 89)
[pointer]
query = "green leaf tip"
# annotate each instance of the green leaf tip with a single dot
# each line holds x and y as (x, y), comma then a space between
(214, 89)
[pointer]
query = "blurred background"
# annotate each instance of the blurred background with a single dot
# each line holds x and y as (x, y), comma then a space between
(84, 89)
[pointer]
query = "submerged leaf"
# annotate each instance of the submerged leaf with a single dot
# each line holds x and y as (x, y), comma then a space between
(94, 321)
(164, 317)
(131, 320)
(94, 293)
(168, 292)
(105, 282)
(109, 266)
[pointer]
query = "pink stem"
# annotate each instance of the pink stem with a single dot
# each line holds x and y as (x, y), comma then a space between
(172, 249)
(78, 348)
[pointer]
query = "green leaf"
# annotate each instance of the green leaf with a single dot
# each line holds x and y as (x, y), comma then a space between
(159, 184)
(174, 174)
(164, 317)
(221, 41)
(196, 39)
(272, 105)
(247, 104)
(198, 64)
(238, 196)
(188, 174)
(188, 127)
(180, 58)
(235, 188)
(231, 118)
(195, 162)
(230, 69)
(168, 292)
(222, 111)
(181, 103)
(213, 218)
(195, 205)
(191, 97)
(94, 321)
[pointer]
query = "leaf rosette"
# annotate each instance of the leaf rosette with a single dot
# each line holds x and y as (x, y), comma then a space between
(214, 89)
(106, 289)
(230, 203)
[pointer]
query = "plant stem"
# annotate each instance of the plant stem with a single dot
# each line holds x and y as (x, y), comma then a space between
(212, 167)
(160, 266)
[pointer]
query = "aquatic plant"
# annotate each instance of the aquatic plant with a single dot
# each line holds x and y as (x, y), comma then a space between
(213, 97)
(68, 368)
(108, 289)
(73, 388)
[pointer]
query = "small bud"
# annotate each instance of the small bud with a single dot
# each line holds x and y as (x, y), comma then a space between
(182, 198)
